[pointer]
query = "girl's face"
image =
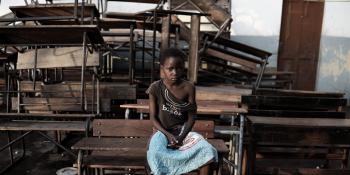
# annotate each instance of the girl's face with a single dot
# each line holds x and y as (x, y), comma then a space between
(173, 68)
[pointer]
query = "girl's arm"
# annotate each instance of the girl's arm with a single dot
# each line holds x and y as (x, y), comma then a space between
(191, 115)
(152, 112)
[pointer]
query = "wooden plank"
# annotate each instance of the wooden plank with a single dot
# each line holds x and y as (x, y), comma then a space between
(208, 109)
(301, 93)
(296, 113)
(302, 171)
(242, 56)
(301, 122)
(231, 68)
(301, 38)
(221, 93)
(128, 144)
(58, 104)
(231, 58)
(298, 153)
(49, 35)
(141, 128)
(44, 115)
(122, 128)
(54, 10)
(43, 125)
(111, 144)
(107, 89)
(293, 101)
(56, 58)
(239, 46)
(118, 161)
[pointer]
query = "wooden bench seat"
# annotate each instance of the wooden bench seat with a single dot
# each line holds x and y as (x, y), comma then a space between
(123, 143)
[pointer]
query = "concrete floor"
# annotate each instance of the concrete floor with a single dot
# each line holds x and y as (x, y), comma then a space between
(41, 156)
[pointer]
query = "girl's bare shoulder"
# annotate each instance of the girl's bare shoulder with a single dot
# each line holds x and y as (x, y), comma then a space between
(188, 85)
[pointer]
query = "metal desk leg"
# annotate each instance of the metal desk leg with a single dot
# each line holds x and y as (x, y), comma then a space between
(127, 112)
(240, 148)
(79, 162)
(141, 116)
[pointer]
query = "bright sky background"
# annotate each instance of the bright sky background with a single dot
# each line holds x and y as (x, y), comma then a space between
(249, 17)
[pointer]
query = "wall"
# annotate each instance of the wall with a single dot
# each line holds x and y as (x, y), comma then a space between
(256, 26)
(334, 61)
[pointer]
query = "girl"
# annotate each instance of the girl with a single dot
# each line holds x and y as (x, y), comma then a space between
(173, 149)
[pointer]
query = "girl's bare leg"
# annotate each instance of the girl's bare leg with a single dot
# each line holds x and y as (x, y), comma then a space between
(204, 170)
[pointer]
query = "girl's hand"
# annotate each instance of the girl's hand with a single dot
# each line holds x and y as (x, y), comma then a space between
(172, 140)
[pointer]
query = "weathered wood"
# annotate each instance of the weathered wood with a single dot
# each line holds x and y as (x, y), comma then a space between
(302, 171)
(44, 115)
(221, 93)
(111, 144)
(56, 57)
(36, 125)
(230, 68)
(236, 53)
(140, 128)
(302, 122)
(205, 109)
(48, 35)
(231, 58)
(239, 46)
(193, 58)
(300, 53)
(293, 101)
(296, 113)
(58, 104)
(113, 162)
(301, 93)
(72, 89)
(298, 153)
(54, 10)
(128, 144)
(121, 128)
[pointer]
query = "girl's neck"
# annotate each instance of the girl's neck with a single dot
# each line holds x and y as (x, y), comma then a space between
(171, 83)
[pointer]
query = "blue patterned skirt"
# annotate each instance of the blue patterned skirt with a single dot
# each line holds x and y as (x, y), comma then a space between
(194, 153)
